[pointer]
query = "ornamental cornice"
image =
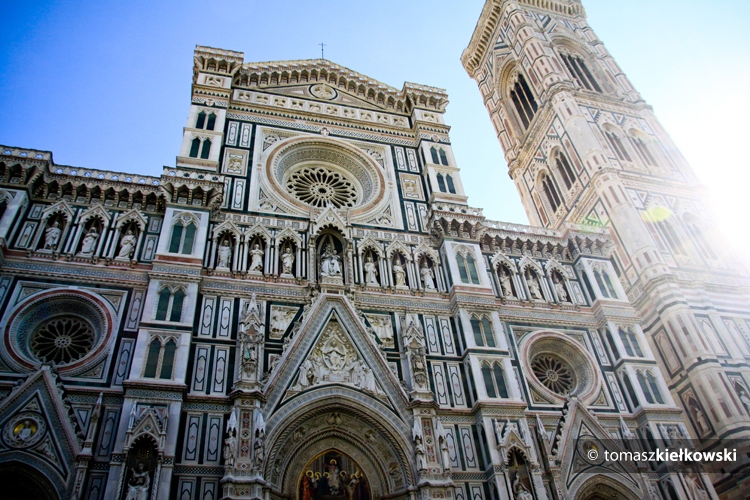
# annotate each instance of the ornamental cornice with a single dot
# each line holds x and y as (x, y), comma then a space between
(348, 129)
(309, 71)
(92, 273)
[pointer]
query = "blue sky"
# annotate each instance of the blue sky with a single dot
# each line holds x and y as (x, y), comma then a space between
(107, 84)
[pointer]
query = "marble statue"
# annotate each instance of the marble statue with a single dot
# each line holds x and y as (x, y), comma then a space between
(225, 255)
(256, 259)
(330, 264)
(427, 276)
(287, 261)
(52, 236)
(139, 483)
(89, 242)
(399, 274)
(371, 272)
(127, 245)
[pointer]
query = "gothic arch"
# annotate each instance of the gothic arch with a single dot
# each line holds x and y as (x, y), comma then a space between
(344, 419)
(602, 486)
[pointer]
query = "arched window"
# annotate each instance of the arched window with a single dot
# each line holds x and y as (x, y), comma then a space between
(523, 100)
(494, 380)
(201, 121)
(170, 304)
(482, 329)
(211, 121)
(668, 234)
(160, 358)
(177, 301)
(699, 239)
(630, 342)
(443, 157)
(434, 155)
(631, 391)
(472, 265)
(183, 237)
(167, 362)
(612, 344)
(195, 147)
(449, 181)
(550, 191)
(566, 172)
(206, 149)
(461, 261)
(617, 146)
(152, 360)
(650, 388)
(644, 152)
(441, 183)
(163, 305)
(580, 73)
(605, 284)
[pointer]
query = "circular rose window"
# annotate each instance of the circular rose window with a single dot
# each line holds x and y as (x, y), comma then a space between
(320, 187)
(559, 366)
(62, 340)
(554, 373)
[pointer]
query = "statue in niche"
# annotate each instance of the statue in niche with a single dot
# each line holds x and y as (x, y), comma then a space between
(700, 419)
(427, 276)
(330, 262)
(398, 273)
(371, 272)
(419, 368)
(127, 246)
(230, 444)
(560, 288)
(695, 486)
(52, 236)
(505, 283)
(256, 259)
(287, 261)
(89, 242)
(259, 449)
(419, 449)
(139, 483)
(225, 255)
(534, 289)
(520, 492)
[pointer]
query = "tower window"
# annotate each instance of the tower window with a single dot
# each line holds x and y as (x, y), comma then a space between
(441, 183)
(434, 155)
(668, 233)
(566, 171)
(630, 342)
(170, 305)
(443, 157)
(643, 151)
(523, 100)
(580, 73)
(617, 146)
(160, 358)
(451, 186)
(650, 388)
(482, 329)
(211, 121)
(201, 121)
(195, 146)
(206, 149)
(494, 380)
(550, 191)
(183, 237)
(699, 239)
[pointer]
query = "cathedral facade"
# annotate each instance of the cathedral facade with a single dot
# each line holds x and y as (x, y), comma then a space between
(307, 307)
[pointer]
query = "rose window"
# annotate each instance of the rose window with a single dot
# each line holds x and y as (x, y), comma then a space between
(554, 373)
(62, 340)
(321, 187)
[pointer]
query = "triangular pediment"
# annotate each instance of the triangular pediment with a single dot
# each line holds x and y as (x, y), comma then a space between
(580, 447)
(37, 428)
(332, 347)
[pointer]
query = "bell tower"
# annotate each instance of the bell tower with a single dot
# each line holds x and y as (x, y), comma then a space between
(584, 149)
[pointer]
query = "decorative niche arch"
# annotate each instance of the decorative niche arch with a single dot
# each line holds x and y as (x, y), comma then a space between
(559, 279)
(521, 104)
(532, 277)
(331, 245)
(507, 275)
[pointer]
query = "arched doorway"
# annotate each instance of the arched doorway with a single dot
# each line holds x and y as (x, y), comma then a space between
(333, 475)
(601, 487)
(23, 482)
